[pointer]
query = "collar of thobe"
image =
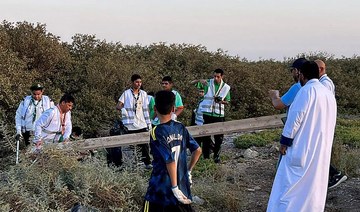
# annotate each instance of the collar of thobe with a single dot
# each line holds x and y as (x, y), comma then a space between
(324, 75)
(311, 81)
(62, 120)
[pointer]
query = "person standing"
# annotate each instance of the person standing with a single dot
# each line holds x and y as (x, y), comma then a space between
(29, 111)
(134, 107)
(335, 176)
(170, 181)
(300, 182)
(54, 125)
(217, 95)
(167, 85)
(286, 100)
(197, 116)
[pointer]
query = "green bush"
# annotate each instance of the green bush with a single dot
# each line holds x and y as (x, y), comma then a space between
(347, 132)
(57, 180)
(96, 72)
(257, 139)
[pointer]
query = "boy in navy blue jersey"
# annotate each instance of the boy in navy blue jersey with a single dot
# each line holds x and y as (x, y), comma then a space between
(169, 184)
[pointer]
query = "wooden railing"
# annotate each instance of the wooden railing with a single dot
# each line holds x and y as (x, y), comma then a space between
(243, 125)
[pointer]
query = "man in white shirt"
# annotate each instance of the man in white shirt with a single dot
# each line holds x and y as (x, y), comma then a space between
(335, 176)
(29, 110)
(54, 125)
(134, 107)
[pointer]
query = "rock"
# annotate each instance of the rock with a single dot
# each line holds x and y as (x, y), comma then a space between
(274, 149)
(230, 179)
(250, 154)
(198, 200)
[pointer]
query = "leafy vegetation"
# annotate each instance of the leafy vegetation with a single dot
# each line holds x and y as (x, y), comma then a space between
(257, 139)
(347, 132)
(53, 182)
(96, 72)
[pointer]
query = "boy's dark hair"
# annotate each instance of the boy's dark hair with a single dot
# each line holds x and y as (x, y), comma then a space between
(36, 87)
(67, 98)
(219, 71)
(310, 70)
(167, 78)
(164, 102)
(135, 77)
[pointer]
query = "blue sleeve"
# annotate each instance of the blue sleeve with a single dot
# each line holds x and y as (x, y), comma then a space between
(289, 96)
(191, 144)
(286, 141)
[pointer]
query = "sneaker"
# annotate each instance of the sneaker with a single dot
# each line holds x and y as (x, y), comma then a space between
(217, 160)
(148, 166)
(336, 180)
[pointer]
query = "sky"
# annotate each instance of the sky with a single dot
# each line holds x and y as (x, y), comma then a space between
(251, 29)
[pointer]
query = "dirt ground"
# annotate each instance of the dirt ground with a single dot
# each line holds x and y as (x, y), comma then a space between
(259, 174)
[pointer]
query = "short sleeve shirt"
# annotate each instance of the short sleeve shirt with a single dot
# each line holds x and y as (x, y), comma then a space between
(151, 107)
(178, 100)
(289, 96)
(169, 142)
(178, 104)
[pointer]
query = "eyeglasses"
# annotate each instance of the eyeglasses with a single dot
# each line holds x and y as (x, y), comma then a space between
(164, 83)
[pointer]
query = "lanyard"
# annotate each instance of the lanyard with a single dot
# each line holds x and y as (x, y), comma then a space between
(35, 107)
(136, 99)
(220, 87)
(62, 121)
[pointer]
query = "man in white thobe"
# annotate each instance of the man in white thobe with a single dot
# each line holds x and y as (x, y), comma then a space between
(302, 177)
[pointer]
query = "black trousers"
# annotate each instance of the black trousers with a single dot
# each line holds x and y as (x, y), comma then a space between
(333, 171)
(206, 140)
(153, 207)
(114, 155)
(143, 148)
(26, 135)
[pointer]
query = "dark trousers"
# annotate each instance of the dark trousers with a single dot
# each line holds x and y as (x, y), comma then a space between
(206, 140)
(153, 207)
(114, 155)
(143, 148)
(26, 135)
(333, 171)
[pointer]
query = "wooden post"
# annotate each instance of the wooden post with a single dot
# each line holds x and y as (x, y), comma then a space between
(243, 125)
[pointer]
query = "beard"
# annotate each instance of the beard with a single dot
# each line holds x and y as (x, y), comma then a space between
(296, 78)
(302, 82)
